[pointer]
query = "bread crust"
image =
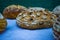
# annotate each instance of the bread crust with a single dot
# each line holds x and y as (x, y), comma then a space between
(3, 24)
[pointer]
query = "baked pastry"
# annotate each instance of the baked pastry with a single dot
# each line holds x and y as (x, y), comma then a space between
(31, 19)
(56, 11)
(12, 11)
(3, 23)
(56, 29)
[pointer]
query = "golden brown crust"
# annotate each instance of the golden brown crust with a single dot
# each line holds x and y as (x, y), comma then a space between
(35, 26)
(35, 19)
(12, 11)
(3, 24)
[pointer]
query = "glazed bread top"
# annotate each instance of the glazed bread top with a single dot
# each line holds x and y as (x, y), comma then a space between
(36, 8)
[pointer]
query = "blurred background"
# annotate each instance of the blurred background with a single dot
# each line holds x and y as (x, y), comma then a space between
(49, 4)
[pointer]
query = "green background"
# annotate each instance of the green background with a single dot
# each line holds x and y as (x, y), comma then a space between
(49, 4)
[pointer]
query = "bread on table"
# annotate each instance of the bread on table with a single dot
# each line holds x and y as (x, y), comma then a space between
(32, 19)
(56, 29)
(3, 23)
(12, 11)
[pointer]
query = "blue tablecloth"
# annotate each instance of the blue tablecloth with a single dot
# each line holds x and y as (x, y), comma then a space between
(13, 32)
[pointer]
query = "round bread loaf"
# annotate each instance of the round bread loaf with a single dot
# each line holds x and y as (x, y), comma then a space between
(12, 11)
(3, 23)
(31, 19)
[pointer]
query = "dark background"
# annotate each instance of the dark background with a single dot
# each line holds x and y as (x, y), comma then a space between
(49, 4)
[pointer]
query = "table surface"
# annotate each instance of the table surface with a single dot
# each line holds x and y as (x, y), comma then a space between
(13, 32)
